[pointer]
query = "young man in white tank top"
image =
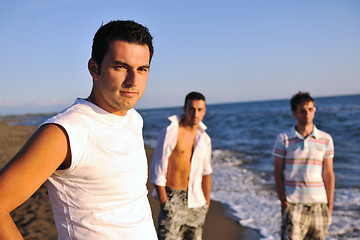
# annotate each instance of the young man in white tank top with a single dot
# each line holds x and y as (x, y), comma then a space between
(92, 155)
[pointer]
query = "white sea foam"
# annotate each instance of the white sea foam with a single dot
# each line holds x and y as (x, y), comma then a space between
(254, 203)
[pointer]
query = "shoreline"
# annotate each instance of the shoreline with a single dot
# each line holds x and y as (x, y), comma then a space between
(35, 220)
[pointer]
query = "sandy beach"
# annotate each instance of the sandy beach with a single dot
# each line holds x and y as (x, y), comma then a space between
(35, 220)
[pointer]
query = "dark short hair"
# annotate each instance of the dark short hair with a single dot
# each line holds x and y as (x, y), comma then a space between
(194, 96)
(300, 98)
(128, 31)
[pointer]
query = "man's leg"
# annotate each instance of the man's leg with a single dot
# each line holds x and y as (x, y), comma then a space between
(295, 222)
(173, 215)
(194, 223)
(320, 222)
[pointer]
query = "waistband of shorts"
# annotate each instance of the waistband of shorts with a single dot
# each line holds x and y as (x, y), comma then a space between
(313, 206)
(169, 189)
(309, 204)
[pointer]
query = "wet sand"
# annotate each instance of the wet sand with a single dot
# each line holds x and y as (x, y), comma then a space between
(35, 220)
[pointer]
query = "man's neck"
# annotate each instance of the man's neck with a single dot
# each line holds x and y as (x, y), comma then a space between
(101, 104)
(305, 130)
(188, 126)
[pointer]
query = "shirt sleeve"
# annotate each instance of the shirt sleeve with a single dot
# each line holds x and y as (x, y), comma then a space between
(279, 149)
(330, 149)
(159, 165)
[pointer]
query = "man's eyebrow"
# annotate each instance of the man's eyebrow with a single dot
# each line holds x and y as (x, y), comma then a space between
(145, 66)
(120, 63)
(127, 65)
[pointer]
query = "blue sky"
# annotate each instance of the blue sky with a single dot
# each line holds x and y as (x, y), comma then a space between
(231, 51)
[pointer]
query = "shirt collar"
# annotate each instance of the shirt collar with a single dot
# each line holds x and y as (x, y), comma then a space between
(175, 119)
(314, 134)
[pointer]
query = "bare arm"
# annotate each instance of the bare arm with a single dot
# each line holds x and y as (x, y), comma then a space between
(329, 182)
(206, 187)
(279, 180)
(161, 192)
(44, 152)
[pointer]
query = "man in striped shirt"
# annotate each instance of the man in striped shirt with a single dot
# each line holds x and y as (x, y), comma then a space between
(304, 175)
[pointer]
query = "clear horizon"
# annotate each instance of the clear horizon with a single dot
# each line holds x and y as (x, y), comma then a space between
(20, 113)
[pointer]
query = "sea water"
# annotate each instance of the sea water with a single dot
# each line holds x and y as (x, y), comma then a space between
(243, 135)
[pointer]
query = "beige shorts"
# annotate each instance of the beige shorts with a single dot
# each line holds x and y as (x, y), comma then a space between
(305, 221)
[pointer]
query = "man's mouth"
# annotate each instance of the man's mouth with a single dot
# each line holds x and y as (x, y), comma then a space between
(128, 93)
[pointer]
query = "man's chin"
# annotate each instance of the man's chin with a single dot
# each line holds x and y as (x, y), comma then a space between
(195, 123)
(129, 104)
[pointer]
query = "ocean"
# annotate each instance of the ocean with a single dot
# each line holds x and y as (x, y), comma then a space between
(243, 135)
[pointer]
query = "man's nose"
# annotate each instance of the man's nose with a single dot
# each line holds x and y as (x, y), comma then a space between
(131, 78)
(196, 113)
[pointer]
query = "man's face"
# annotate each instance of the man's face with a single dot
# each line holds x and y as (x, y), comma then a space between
(194, 111)
(305, 113)
(123, 76)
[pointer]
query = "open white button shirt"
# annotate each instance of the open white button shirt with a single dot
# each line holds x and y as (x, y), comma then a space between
(200, 161)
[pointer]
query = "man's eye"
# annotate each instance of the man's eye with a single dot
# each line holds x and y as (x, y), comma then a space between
(119, 67)
(143, 69)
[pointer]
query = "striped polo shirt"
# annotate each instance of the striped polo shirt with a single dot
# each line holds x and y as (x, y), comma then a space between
(304, 164)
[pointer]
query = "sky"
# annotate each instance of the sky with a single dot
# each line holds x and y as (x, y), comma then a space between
(231, 51)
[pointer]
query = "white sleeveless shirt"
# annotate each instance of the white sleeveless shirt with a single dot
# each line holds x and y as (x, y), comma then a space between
(103, 194)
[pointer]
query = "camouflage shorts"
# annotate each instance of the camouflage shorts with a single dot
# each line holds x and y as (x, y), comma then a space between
(177, 221)
(305, 221)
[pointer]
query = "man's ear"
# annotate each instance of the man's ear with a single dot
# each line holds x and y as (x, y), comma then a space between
(93, 69)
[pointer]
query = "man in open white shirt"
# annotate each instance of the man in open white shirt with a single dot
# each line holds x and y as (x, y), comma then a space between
(181, 172)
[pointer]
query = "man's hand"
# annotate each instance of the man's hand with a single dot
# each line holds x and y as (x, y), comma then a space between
(161, 192)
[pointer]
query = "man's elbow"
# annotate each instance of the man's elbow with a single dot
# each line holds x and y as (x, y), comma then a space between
(329, 179)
